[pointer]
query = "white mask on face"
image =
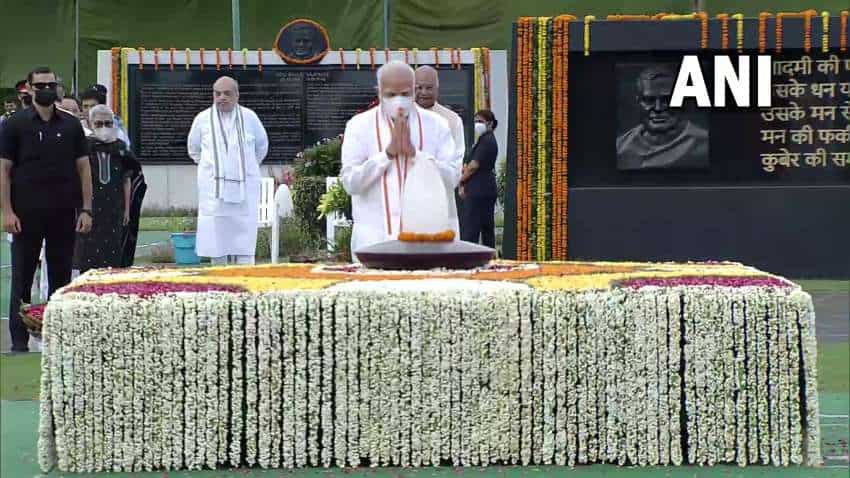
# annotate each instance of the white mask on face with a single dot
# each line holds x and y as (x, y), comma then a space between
(106, 135)
(480, 129)
(392, 105)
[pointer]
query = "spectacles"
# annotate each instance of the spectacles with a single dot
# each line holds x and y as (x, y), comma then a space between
(103, 124)
(40, 85)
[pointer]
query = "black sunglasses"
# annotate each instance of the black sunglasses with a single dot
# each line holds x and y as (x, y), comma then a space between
(103, 124)
(40, 85)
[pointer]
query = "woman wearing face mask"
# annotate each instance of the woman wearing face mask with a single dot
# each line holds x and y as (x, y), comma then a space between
(478, 184)
(112, 166)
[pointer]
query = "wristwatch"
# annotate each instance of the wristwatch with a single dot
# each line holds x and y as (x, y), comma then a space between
(87, 211)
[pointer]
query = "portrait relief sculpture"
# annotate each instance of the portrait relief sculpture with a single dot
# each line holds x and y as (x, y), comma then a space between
(663, 137)
(302, 42)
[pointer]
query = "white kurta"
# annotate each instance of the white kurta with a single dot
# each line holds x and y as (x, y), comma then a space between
(227, 229)
(376, 209)
(456, 127)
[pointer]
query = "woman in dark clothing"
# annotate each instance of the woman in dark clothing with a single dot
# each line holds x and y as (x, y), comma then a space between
(478, 184)
(113, 168)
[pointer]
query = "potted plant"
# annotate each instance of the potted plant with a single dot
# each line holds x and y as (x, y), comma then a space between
(311, 169)
(184, 243)
(335, 200)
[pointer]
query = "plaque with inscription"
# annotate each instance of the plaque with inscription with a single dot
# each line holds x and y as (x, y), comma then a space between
(298, 105)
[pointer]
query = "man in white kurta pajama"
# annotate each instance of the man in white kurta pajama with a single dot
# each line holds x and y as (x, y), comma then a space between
(228, 142)
(374, 175)
(427, 95)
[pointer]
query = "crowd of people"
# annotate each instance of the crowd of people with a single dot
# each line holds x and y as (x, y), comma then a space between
(78, 150)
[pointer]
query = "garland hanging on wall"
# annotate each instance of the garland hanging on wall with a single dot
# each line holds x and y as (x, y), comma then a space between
(481, 68)
(541, 137)
(123, 108)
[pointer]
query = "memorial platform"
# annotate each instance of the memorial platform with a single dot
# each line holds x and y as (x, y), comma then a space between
(515, 363)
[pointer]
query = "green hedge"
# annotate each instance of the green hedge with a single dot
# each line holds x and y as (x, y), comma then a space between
(306, 194)
(170, 224)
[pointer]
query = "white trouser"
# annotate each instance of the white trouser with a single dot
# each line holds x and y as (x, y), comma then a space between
(241, 260)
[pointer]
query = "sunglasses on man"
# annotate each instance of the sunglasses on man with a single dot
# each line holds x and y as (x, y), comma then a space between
(42, 85)
(103, 124)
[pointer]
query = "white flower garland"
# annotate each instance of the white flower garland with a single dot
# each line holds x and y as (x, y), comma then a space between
(288, 334)
(353, 374)
(251, 381)
(300, 428)
(314, 393)
(276, 385)
(340, 352)
(476, 376)
(191, 402)
(327, 363)
(237, 423)
(265, 386)
(225, 385)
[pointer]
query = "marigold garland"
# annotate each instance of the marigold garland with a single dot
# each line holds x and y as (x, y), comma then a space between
(724, 30)
(406, 57)
(587, 20)
(116, 66)
(357, 60)
(807, 28)
(628, 18)
(386, 55)
(171, 58)
(230, 58)
(703, 18)
(436, 53)
(739, 32)
(141, 53)
(523, 132)
(188, 58)
(825, 37)
(122, 109)
(763, 16)
(444, 236)
(342, 59)
(203, 59)
(487, 76)
(558, 102)
(260, 59)
(156, 58)
(531, 83)
(476, 58)
(244, 58)
(542, 168)
(372, 58)
(218, 59)
(564, 130)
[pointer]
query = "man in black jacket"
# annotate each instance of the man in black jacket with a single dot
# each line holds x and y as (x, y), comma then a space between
(45, 192)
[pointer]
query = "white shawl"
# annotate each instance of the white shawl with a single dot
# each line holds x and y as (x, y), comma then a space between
(229, 157)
